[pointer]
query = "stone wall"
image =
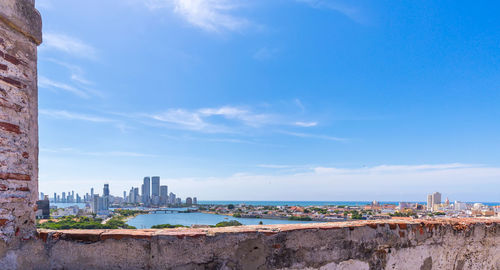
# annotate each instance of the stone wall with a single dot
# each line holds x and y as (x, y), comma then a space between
(20, 33)
(395, 244)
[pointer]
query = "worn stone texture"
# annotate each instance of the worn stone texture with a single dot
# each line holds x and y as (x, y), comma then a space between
(20, 32)
(454, 244)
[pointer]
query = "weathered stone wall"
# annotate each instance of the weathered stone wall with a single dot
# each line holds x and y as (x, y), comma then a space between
(20, 33)
(395, 244)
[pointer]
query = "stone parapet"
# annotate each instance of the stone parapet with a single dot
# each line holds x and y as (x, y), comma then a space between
(455, 244)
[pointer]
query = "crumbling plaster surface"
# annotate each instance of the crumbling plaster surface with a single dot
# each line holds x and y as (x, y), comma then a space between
(455, 244)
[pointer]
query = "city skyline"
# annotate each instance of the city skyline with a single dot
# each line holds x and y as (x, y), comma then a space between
(287, 100)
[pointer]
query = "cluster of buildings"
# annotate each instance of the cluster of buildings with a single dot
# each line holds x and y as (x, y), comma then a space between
(152, 194)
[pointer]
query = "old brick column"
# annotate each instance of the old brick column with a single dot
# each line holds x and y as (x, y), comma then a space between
(20, 34)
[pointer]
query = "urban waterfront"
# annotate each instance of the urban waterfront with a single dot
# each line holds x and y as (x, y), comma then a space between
(187, 219)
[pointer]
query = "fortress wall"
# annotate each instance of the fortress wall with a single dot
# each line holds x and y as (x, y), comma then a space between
(454, 244)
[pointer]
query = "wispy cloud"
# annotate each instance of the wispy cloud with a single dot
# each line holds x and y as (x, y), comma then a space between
(183, 118)
(47, 83)
(206, 119)
(99, 153)
(306, 124)
(68, 44)
(209, 15)
(347, 10)
(246, 116)
(315, 136)
(61, 114)
(76, 72)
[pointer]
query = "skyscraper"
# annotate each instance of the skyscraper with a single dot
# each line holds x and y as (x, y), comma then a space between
(105, 190)
(163, 195)
(433, 201)
(91, 192)
(105, 197)
(146, 190)
(155, 189)
(136, 195)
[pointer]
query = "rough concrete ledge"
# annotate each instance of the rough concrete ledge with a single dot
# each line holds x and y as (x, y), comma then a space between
(22, 16)
(455, 244)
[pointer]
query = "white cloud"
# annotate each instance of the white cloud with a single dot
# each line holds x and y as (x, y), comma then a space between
(247, 117)
(352, 13)
(61, 114)
(100, 154)
(205, 119)
(183, 118)
(76, 72)
(306, 124)
(47, 83)
(209, 15)
(315, 136)
(459, 182)
(67, 44)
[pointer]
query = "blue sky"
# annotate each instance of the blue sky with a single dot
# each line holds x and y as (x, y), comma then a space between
(272, 100)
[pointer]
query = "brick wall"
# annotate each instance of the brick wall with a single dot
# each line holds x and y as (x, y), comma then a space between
(20, 33)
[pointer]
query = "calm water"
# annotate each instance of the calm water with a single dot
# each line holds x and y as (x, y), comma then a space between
(188, 219)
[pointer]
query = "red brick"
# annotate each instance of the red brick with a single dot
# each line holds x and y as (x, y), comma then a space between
(15, 176)
(3, 67)
(3, 222)
(7, 104)
(22, 189)
(12, 59)
(12, 82)
(3, 187)
(26, 155)
(10, 127)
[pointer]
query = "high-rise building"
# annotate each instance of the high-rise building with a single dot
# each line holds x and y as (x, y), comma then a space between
(436, 199)
(95, 204)
(124, 195)
(433, 201)
(63, 197)
(55, 197)
(171, 198)
(195, 201)
(429, 202)
(136, 195)
(91, 192)
(105, 197)
(146, 191)
(163, 195)
(189, 201)
(105, 190)
(43, 209)
(155, 186)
